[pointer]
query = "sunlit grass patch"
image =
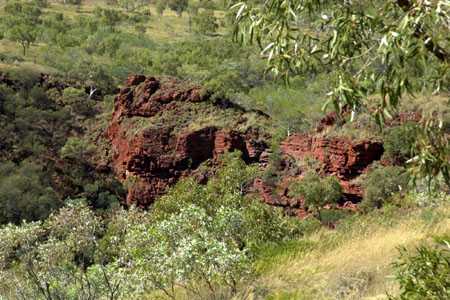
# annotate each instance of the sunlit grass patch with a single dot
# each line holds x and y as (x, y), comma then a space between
(352, 262)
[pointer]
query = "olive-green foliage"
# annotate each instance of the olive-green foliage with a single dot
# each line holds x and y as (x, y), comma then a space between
(205, 236)
(197, 240)
(77, 149)
(257, 223)
(381, 184)
(399, 141)
(333, 216)
(431, 159)
(161, 6)
(317, 191)
(30, 122)
(130, 5)
(222, 67)
(424, 273)
(78, 102)
(54, 259)
(25, 193)
(108, 17)
(372, 51)
(344, 34)
(295, 107)
(73, 2)
(34, 126)
(99, 50)
(178, 6)
(205, 22)
(22, 23)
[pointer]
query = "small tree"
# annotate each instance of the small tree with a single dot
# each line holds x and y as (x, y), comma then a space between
(317, 191)
(160, 7)
(22, 23)
(178, 6)
(399, 142)
(381, 184)
(128, 5)
(54, 260)
(205, 22)
(77, 149)
(183, 251)
(24, 194)
(375, 52)
(24, 34)
(110, 17)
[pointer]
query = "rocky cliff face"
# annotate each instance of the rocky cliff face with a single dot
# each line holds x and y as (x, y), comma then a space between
(164, 129)
(340, 157)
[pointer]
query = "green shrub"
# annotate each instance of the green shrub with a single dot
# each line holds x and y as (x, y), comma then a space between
(24, 193)
(332, 216)
(78, 102)
(205, 22)
(424, 273)
(271, 174)
(206, 236)
(317, 191)
(381, 184)
(399, 141)
(250, 222)
(77, 149)
(53, 259)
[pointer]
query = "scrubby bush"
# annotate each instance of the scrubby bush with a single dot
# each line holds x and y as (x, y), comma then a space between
(205, 236)
(224, 194)
(187, 249)
(161, 6)
(178, 6)
(198, 241)
(78, 102)
(24, 193)
(205, 22)
(54, 260)
(317, 191)
(332, 216)
(424, 273)
(77, 149)
(381, 184)
(399, 142)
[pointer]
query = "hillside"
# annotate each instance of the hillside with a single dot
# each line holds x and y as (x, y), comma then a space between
(175, 149)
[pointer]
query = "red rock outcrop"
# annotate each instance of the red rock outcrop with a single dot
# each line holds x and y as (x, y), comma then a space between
(156, 140)
(338, 156)
(154, 158)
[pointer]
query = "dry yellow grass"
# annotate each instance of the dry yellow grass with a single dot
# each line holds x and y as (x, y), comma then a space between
(357, 267)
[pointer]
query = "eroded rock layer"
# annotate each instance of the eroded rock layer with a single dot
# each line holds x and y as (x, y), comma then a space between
(164, 129)
(166, 145)
(339, 157)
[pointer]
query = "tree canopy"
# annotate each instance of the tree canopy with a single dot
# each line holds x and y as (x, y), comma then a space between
(375, 53)
(370, 47)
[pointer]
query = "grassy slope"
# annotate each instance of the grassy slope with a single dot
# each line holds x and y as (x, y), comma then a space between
(353, 261)
(167, 27)
(163, 29)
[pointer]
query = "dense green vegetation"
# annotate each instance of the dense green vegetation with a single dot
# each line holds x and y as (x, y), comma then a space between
(63, 231)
